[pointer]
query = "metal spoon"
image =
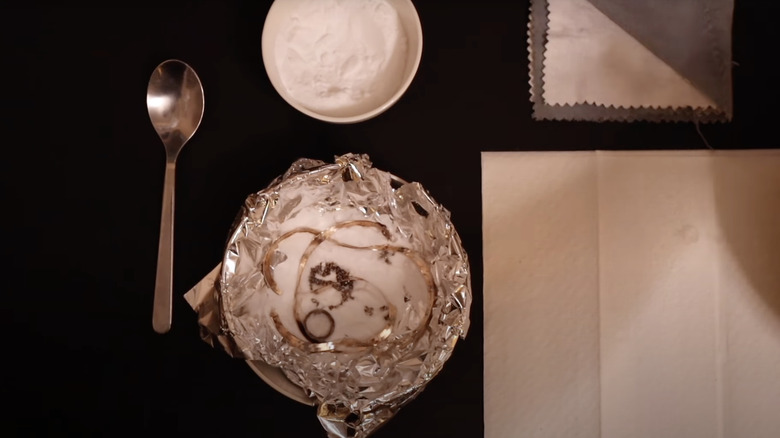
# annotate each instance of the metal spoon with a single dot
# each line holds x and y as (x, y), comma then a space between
(174, 99)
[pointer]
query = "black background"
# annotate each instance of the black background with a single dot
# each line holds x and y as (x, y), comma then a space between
(82, 172)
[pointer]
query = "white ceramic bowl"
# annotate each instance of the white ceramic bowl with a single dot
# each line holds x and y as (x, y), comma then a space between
(409, 21)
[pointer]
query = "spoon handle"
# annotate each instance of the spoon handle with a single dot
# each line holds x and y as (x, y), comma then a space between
(163, 289)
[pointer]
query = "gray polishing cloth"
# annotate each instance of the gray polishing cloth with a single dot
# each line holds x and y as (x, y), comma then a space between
(692, 36)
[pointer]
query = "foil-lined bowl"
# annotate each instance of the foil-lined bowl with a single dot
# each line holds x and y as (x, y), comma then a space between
(351, 282)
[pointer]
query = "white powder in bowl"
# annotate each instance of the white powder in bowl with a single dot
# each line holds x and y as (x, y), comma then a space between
(341, 57)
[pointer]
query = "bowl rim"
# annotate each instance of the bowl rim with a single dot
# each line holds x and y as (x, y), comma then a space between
(410, 20)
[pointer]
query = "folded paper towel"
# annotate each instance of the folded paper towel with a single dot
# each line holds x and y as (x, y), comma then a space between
(632, 294)
(665, 60)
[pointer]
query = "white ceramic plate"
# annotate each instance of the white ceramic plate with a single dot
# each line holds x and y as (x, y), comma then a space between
(276, 379)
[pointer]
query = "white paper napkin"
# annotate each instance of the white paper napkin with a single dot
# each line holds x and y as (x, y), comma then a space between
(632, 294)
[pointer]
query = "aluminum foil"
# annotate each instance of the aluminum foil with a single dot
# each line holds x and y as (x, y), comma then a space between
(347, 279)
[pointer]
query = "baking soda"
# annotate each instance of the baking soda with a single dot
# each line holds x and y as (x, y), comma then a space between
(341, 57)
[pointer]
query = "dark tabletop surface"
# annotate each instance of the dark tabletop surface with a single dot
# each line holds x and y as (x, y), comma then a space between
(82, 173)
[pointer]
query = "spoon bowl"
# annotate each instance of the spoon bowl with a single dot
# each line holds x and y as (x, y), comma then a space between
(174, 99)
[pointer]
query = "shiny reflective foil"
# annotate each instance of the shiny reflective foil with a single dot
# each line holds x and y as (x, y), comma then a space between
(351, 281)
